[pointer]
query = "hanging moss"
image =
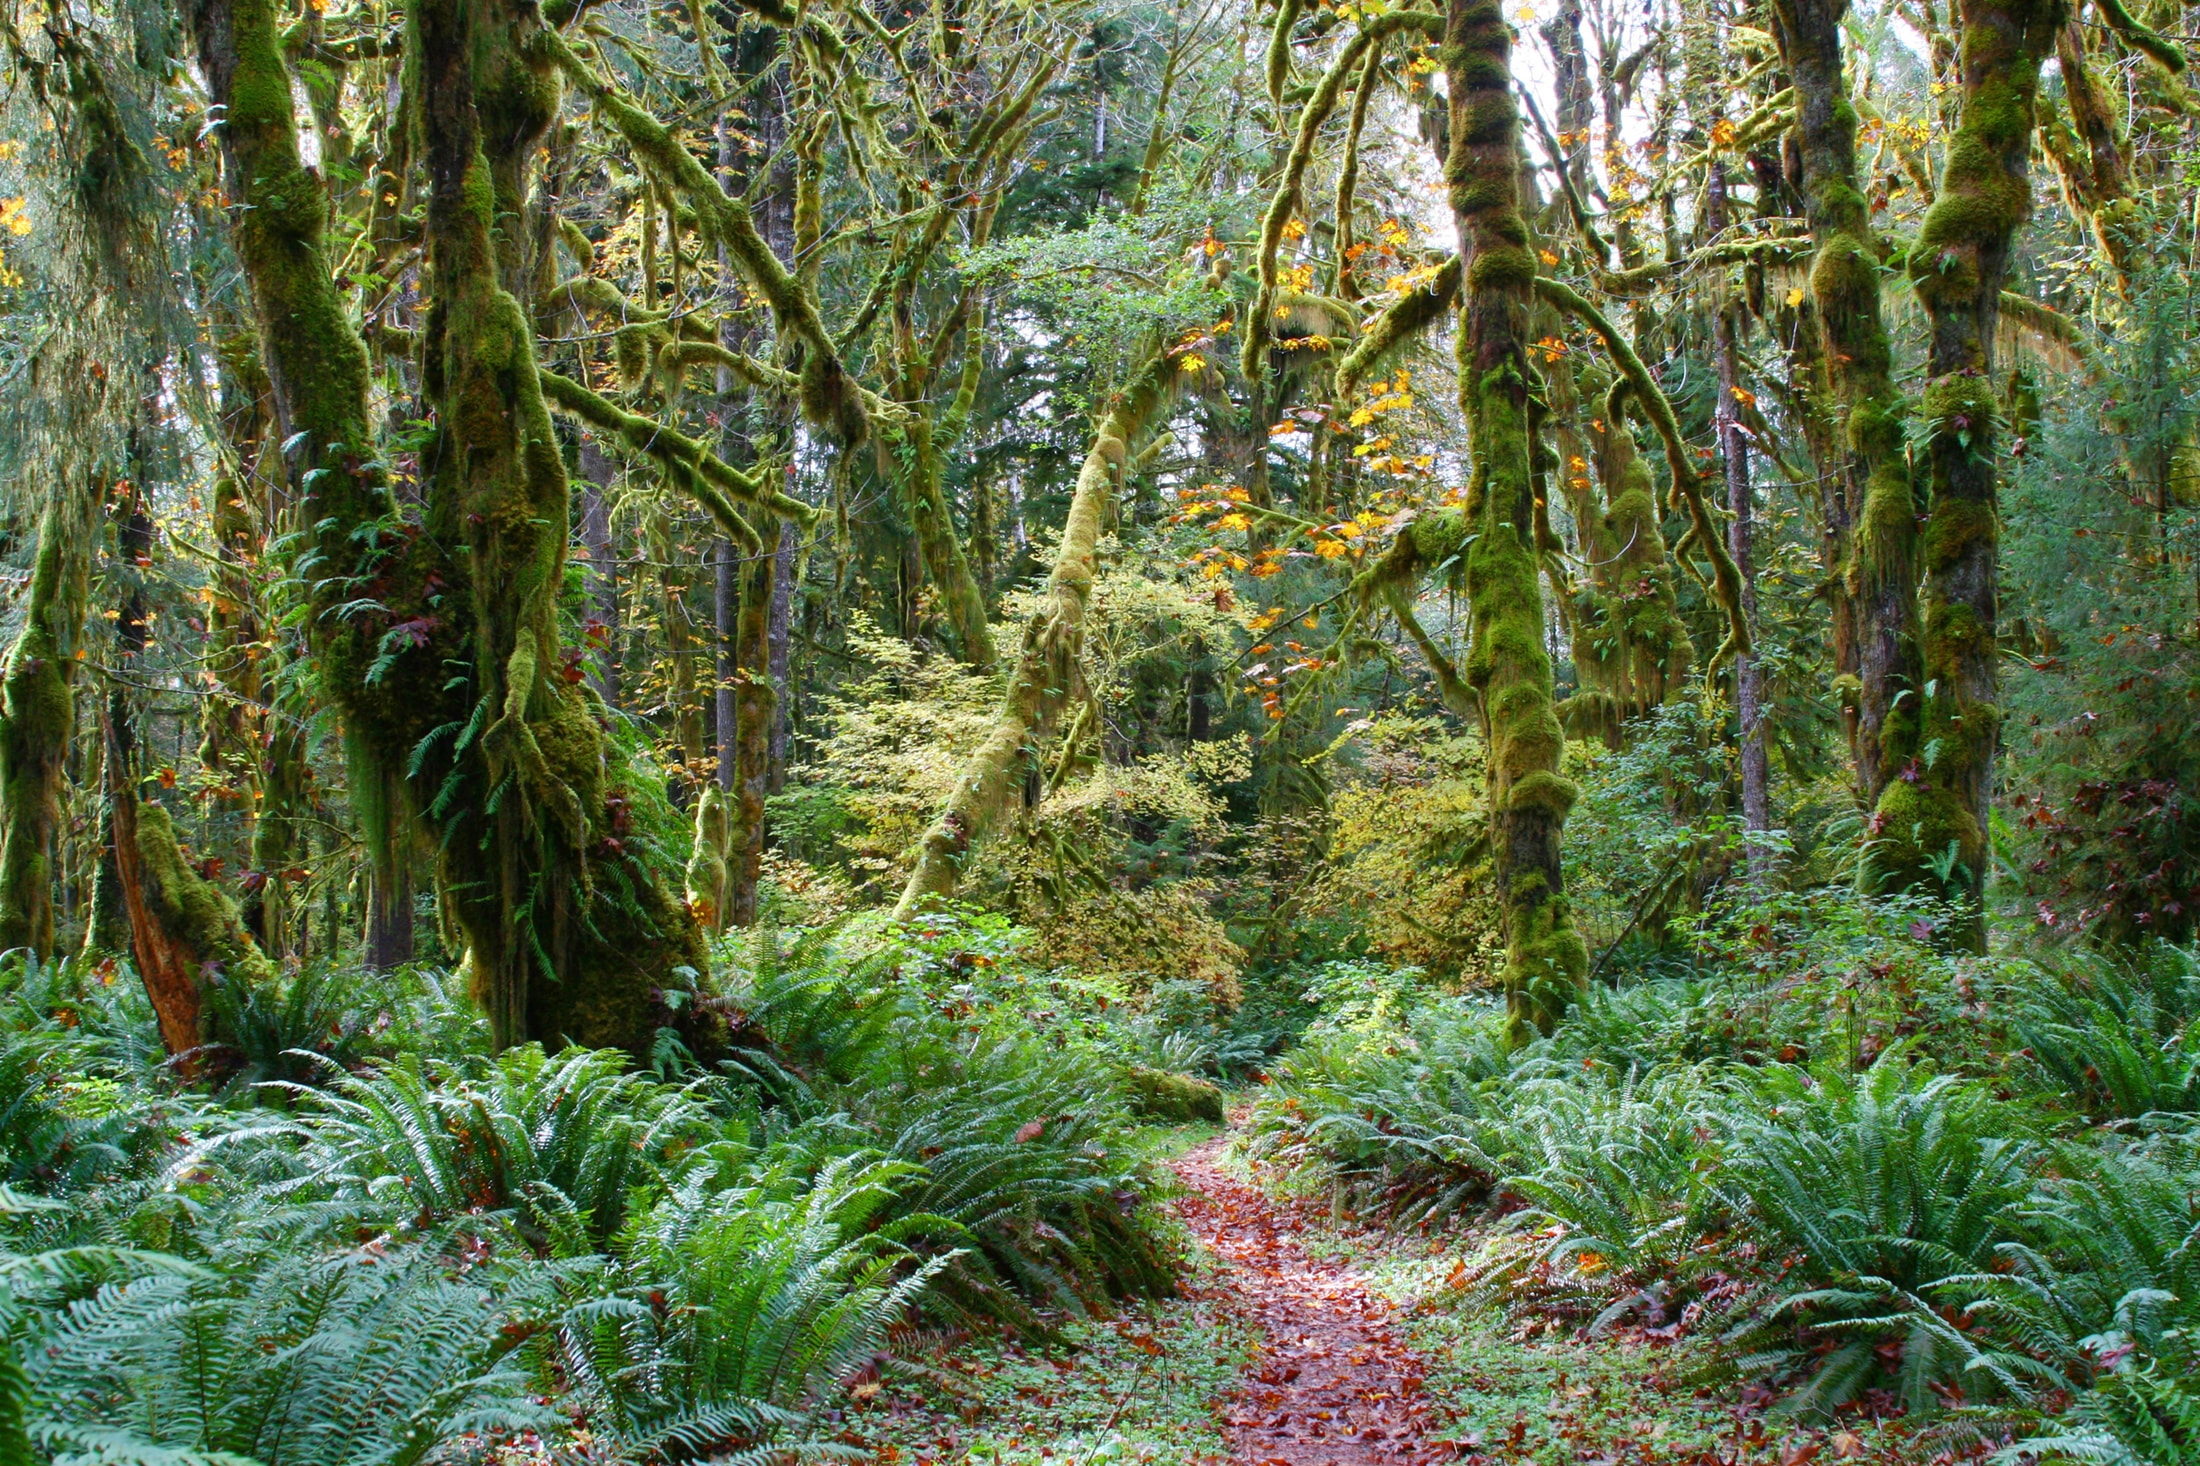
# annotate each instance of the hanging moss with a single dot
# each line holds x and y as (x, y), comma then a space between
(828, 394)
(1631, 649)
(1704, 530)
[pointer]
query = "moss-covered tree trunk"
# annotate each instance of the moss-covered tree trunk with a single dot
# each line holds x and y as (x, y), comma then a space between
(1545, 958)
(37, 723)
(1932, 821)
(1859, 357)
(1049, 666)
(755, 705)
(185, 932)
(572, 933)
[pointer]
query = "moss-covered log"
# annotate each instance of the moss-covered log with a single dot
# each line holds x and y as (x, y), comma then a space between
(1048, 674)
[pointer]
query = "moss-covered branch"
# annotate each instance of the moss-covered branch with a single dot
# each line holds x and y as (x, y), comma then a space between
(828, 394)
(1049, 673)
(1289, 187)
(720, 488)
(1726, 579)
(1401, 323)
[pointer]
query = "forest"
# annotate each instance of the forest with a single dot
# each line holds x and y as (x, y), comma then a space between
(993, 732)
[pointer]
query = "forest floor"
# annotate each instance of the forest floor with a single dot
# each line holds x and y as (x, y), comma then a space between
(1302, 1337)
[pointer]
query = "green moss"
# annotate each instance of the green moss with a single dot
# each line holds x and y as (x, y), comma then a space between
(1176, 1098)
(1915, 826)
(193, 912)
(37, 721)
(1546, 791)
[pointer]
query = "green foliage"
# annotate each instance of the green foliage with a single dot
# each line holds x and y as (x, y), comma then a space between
(2120, 1039)
(556, 1141)
(1827, 1155)
(1007, 1102)
(734, 1300)
(368, 1359)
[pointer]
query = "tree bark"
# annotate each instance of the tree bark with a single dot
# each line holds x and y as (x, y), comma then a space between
(1494, 532)
(600, 632)
(1933, 821)
(37, 719)
(780, 639)
(1740, 531)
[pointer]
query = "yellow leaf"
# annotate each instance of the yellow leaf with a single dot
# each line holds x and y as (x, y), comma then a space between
(1330, 549)
(1293, 229)
(1233, 520)
(1795, 297)
(1744, 396)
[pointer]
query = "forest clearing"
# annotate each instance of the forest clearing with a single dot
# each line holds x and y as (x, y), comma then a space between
(993, 732)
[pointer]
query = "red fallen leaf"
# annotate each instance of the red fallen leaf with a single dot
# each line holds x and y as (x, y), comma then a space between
(1848, 1445)
(1800, 1453)
(1030, 1130)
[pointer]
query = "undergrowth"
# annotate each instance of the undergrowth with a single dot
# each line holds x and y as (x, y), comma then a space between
(1873, 1179)
(371, 1241)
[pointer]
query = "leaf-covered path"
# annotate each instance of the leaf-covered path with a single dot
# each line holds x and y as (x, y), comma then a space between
(1334, 1385)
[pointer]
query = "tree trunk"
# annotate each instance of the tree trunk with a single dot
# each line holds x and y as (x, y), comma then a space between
(1933, 821)
(601, 629)
(184, 932)
(779, 634)
(1049, 666)
(571, 935)
(1741, 505)
(1881, 575)
(1545, 957)
(754, 702)
(37, 719)
(725, 565)
(389, 933)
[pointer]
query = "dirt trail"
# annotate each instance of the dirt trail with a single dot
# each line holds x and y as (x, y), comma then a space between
(1334, 1386)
